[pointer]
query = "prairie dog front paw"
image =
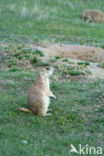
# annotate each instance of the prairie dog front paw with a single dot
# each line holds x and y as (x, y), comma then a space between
(54, 96)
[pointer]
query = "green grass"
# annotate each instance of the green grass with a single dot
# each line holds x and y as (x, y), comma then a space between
(41, 63)
(16, 54)
(65, 60)
(75, 117)
(57, 57)
(101, 64)
(41, 20)
(84, 63)
(78, 112)
(53, 60)
(64, 72)
(75, 72)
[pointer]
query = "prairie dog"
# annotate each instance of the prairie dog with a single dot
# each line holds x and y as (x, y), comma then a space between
(93, 15)
(39, 93)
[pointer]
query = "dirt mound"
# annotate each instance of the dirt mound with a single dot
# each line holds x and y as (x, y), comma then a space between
(84, 53)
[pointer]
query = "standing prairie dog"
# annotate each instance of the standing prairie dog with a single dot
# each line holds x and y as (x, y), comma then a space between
(39, 93)
(93, 15)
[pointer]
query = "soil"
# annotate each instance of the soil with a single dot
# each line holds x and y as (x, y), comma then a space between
(76, 53)
(84, 53)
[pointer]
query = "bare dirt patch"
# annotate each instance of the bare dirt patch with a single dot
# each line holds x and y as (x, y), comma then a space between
(76, 53)
(84, 53)
(73, 53)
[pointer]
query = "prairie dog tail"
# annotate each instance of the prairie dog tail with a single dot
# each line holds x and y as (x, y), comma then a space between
(24, 109)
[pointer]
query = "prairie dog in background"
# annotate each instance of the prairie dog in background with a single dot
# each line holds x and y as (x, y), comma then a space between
(39, 93)
(93, 15)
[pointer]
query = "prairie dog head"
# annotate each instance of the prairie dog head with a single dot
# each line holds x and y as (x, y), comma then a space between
(46, 72)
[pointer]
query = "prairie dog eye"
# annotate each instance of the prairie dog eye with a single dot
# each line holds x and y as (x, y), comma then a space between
(47, 68)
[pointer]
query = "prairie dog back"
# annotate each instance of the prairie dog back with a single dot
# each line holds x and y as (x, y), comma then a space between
(39, 92)
(93, 15)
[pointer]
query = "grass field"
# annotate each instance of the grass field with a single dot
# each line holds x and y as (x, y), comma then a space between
(78, 112)
(35, 20)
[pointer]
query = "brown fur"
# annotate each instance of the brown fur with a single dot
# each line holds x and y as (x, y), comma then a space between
(24, 109)
(93, 15)
(39, 93)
